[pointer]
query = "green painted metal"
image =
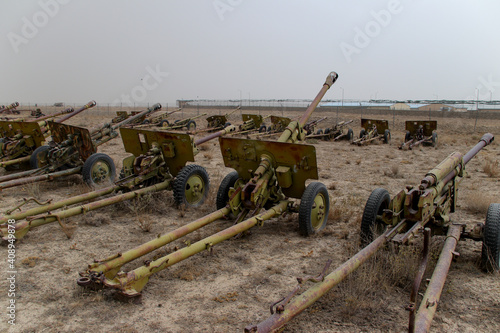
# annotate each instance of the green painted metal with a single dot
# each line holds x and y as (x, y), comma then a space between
(131, 284)
(409, 211)
(22, 227)
(110, 266)
(176, 148)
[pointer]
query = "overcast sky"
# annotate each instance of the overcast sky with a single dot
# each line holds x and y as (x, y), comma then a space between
(161, 51)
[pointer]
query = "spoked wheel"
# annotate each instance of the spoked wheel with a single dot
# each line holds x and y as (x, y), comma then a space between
(38, 158)
(164, 123)
(191, 125)
(225, 186)
(191, 186)
(98, 168)
(371, 225)
(490, 254)
(314, 208)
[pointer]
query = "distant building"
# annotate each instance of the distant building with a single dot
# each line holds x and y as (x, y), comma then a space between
(400, 106)
(437, 107)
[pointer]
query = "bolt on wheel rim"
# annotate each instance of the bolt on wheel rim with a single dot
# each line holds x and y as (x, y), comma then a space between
(100, 171)
(318, 211)
(195, 187)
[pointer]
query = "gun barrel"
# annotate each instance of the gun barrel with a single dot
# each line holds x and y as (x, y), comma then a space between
(430, 179)
(10, 107)
(74, 113)
(228, 129)
(39, 119)
(330, 80)
(155, 107)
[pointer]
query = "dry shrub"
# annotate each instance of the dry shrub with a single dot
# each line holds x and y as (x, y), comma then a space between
(358, 162)
(491, 168)
(341, 209)
(30, 261)
(95, 219)
(365, 289)
(33, 190)
(332, 186)
(188, 272)
(393, 172)
(204, 148)
(477, 202)
(208, 155)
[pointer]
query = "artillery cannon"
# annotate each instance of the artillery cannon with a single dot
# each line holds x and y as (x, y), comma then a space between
(10, 109)
(423, 208)
(159, 120)
(21, 138)
(372, 130)
(157, 162)
(311, 126)
(188, 123)
(72, 150)
(268, 174)
(334, 133)
(219, 121)
(420, 132)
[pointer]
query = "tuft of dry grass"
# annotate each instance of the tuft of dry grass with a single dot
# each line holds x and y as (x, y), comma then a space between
(95, 219)
(477, 202)
(491, 168)
(341, 210)
(332, 186)
(393, 172)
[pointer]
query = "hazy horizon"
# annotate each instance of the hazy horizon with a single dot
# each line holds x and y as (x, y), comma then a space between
(161, 51)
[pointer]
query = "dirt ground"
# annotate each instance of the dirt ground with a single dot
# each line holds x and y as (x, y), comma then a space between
(234, 285)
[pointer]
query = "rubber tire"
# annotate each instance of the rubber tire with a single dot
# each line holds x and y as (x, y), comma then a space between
(223, 191)
(320, 131)
(89, 164)
(163, 122)
(33, 158)
(490, 253)
(327, 130)
(262, 129)
(434, 139)
(362, 133)
(378, 200)
(387, 136)
(269, 129)
(146, 121)
(350, 134)
(181, 180)
(306, 205)
(191, 123)
(407, 136)
(227, 124)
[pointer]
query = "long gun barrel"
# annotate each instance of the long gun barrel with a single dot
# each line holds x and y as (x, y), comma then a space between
(294, 129)
(57, 114)
(153, 108)
(9, 107)
(89, 105)
(442, 174)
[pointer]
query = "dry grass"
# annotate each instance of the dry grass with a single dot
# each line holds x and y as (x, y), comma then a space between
(386, 270)
(393, 172)
(491, 168)
(95, 219)
(477, 202)
(341, 210)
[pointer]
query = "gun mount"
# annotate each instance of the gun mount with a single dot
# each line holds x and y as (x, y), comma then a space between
(425, 207)
(188, 123)
(72, 150)
(158, 162)
(220, 121)
(420, 132)
(337, 132)
(373, 129)
(266, 172)
(21, 138)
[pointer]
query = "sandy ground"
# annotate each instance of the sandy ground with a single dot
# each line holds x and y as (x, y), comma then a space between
(232, 287)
